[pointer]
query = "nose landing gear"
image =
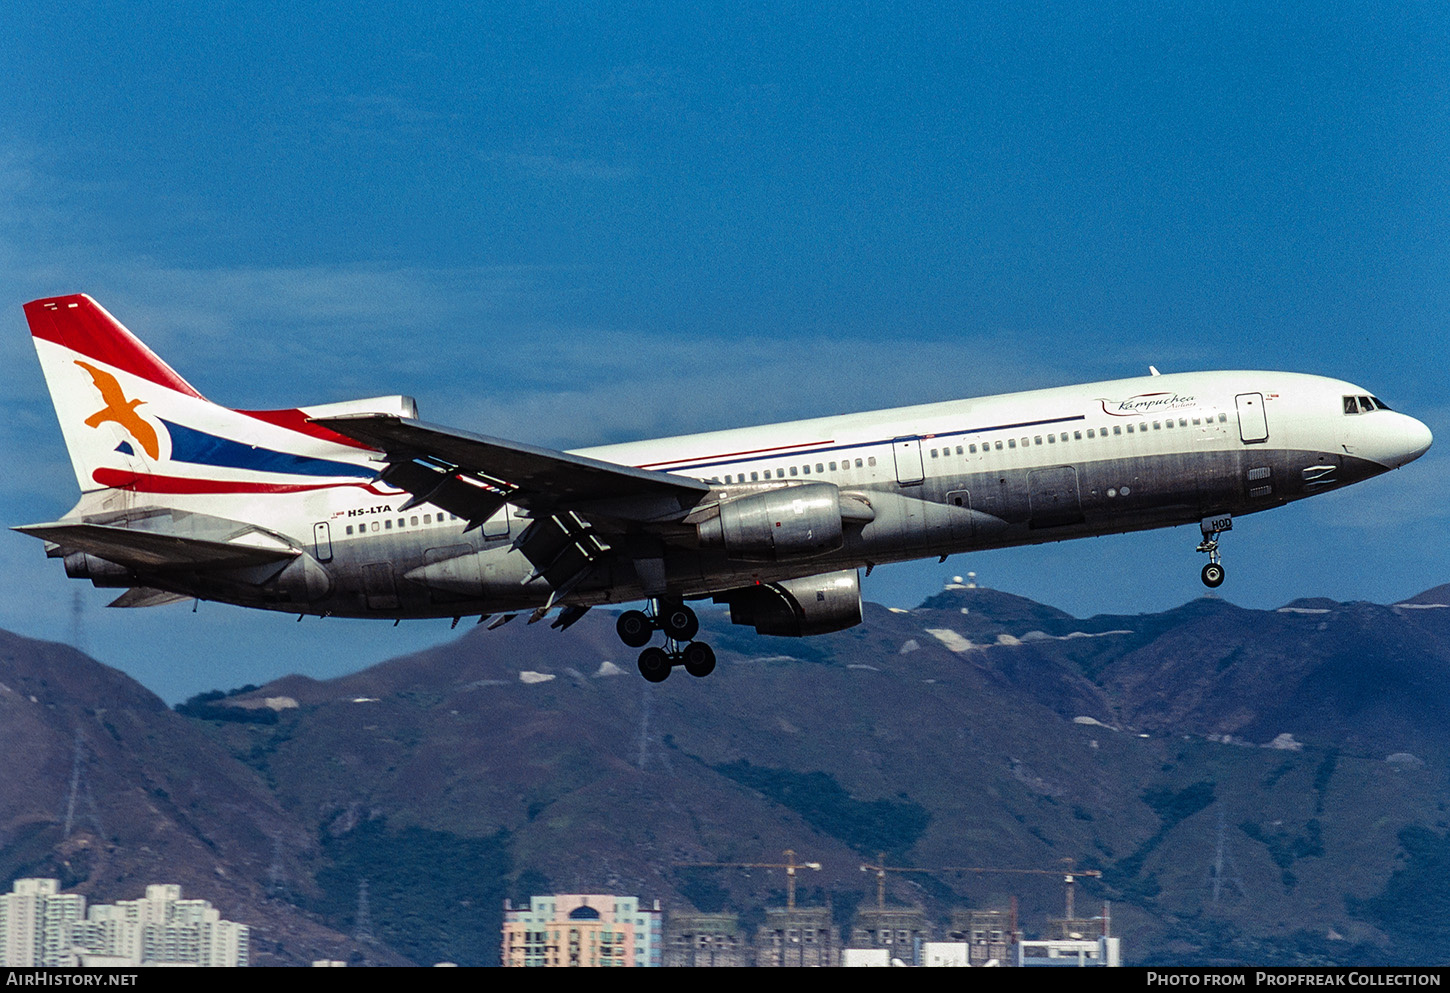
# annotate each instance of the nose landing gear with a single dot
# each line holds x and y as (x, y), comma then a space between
(636, 628)
(1211, 527)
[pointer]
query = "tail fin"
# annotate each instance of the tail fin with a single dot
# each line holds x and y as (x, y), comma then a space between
(131, 422)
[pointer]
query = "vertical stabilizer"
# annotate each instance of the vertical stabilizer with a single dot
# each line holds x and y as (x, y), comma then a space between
(131, 422)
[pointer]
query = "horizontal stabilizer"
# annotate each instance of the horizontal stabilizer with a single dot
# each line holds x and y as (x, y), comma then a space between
(150, 550)
(145, 596)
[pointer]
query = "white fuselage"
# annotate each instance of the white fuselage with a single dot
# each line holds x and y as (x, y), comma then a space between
(935, 479)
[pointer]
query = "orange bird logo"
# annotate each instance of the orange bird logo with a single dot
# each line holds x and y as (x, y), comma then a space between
(121, 410)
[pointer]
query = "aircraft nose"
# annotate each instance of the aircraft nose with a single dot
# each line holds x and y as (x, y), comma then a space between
(1408, 441)
(1418, 440)
(1387, 438)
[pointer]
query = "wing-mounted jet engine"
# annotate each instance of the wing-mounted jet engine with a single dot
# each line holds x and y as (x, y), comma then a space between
(797, 608)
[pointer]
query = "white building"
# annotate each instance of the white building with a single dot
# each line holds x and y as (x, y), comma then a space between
(39, 925)
(1095, 952)
(946, 954)
(34, 918)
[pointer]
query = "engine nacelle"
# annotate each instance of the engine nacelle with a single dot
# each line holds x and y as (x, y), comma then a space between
(788, 523)
(795, 608)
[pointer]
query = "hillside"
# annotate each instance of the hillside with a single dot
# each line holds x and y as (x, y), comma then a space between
(1256, 786)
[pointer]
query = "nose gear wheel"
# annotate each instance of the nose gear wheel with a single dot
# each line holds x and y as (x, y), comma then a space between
(1212, 527)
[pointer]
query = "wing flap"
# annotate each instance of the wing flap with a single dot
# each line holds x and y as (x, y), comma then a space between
(151, 549)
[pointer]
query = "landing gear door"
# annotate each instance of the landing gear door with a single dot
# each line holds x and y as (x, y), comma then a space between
(908, 461)
(1253, 424)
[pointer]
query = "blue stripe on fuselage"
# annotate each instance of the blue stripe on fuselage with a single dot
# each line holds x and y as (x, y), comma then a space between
(200, 448)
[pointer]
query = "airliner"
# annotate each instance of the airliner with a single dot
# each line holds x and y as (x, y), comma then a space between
(360, 509)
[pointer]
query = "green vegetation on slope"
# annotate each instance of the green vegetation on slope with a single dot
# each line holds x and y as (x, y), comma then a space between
(1414, 905)
(869, 826)
(432, 896)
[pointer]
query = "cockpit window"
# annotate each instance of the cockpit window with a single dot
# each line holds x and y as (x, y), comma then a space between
(1363, 404)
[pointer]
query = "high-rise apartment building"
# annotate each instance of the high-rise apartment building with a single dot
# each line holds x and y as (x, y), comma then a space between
(582, 929)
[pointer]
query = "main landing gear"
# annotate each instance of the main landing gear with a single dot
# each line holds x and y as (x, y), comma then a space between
(1211, 527)
(637, 628)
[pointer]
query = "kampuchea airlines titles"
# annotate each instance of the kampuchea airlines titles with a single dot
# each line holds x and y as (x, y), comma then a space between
(360, 509)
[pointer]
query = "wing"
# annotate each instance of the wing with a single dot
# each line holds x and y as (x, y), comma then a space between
(581, 507)
(476, 474)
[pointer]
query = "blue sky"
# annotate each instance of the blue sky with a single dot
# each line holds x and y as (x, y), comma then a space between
(580, 224)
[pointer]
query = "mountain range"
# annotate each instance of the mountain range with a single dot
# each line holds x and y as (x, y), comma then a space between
(1263, 787)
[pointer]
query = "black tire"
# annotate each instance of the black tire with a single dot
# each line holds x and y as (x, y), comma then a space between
(678, 622)
(699, 659)
(1213, 575)
(634, 628)
(654, 665)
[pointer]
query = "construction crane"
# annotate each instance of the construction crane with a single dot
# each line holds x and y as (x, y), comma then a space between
(881, 869)
(790, 865)
(1068, 875)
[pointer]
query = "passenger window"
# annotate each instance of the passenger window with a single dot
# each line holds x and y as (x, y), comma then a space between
(349, 529)
(1223, 418)
(1195, 422)
(1130, 429)
(792, 470)
(755, 476)
(933, 453)
(388, 524)
(833, 467)
(1183, 422)
(1077, 436)
(999, 446)
(413, 520)
(871, 460)
(858, 463)
(820, 468)
(767, 474)
(972, 449)
(1011, 442)
(1117, 429)
(1051, 439)
(1037, 439)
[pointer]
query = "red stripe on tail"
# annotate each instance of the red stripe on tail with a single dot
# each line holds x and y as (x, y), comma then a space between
(79, 323)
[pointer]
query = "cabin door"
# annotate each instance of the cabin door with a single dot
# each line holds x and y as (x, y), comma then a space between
(1253, 422)
(908, 461)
